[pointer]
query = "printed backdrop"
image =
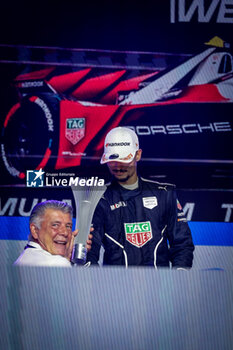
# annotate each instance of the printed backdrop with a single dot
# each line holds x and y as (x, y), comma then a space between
(166, 71)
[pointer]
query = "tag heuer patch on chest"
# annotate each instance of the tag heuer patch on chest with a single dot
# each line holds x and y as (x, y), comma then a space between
(75, 129)
(150, 202)
(138, 233)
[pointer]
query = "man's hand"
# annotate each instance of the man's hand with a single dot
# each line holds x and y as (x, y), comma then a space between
(89, 240)
(69, 247)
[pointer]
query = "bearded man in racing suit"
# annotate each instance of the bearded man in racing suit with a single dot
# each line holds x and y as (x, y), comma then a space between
(138, 221)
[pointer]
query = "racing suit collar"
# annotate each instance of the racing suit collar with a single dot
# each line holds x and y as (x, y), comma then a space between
(125, 193)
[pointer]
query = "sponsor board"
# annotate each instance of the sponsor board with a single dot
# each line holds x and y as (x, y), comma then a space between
(198, 205)
(218, 11)
(179, 129)
(184, 108)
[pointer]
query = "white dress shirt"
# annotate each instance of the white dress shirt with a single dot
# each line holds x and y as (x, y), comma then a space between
(35, 255)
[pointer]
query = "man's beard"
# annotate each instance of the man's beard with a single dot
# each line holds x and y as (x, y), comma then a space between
(122, 179)
(115, 173)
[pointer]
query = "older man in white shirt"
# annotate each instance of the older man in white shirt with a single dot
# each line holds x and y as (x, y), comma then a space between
(51, 238)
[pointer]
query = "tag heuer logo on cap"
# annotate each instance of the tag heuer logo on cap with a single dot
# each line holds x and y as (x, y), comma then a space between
(138, 233)
(75, 129)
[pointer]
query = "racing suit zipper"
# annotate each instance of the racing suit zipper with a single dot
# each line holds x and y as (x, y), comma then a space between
(157, 245)
(122, 247)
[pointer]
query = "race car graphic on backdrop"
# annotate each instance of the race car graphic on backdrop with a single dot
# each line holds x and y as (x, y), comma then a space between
(181, 113)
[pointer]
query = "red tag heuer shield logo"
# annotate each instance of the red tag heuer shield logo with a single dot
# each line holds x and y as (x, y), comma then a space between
(75, 129)
(138, 233)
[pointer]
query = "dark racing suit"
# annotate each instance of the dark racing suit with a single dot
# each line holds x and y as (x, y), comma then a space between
(144, 227)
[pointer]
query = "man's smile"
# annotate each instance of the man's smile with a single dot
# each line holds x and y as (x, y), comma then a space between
(61, 242)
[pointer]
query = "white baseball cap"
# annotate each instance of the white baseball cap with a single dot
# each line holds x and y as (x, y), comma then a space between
(120, 145)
